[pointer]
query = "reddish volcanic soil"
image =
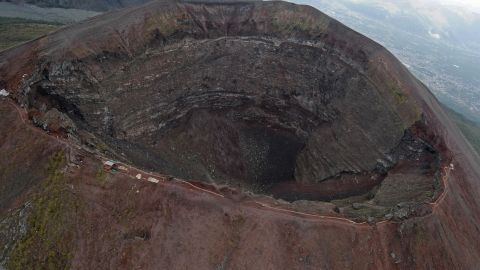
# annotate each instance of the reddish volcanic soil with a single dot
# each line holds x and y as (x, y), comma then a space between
(182, 227)
(134, 224)
(121, 222)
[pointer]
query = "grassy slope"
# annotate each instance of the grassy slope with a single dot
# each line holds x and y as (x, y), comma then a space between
(470, 129)
(97, 5)
(14, 31)
(47, 243)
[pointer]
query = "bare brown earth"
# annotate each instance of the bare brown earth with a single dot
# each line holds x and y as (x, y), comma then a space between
(127, 223)
(65, 80)
(22, 146)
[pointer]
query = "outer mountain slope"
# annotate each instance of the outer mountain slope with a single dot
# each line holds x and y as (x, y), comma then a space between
(469, 128)
(264, 97)
(95, 5)
(53, 15)
(17, 31)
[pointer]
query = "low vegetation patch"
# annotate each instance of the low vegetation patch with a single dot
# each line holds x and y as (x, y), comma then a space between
(14, 31)
(101, 176)
(48, 241)
(470, 129)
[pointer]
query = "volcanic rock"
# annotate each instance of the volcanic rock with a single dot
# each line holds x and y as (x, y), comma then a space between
(309, 134)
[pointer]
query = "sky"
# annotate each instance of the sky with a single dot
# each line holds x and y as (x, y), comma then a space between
(433, 10)
(470, 4)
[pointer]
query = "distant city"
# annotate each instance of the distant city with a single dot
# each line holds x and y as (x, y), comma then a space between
(445, 58)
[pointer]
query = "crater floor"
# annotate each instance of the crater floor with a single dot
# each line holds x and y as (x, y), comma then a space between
(297, 115)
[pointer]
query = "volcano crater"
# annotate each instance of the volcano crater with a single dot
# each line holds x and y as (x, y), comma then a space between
(292, 118)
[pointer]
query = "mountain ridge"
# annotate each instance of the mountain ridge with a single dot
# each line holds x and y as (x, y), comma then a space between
(260, 103)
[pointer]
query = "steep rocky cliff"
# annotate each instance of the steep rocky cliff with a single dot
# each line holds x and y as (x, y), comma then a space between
(263, 102)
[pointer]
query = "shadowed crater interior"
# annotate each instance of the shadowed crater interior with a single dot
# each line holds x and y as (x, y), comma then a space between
(294, 114)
